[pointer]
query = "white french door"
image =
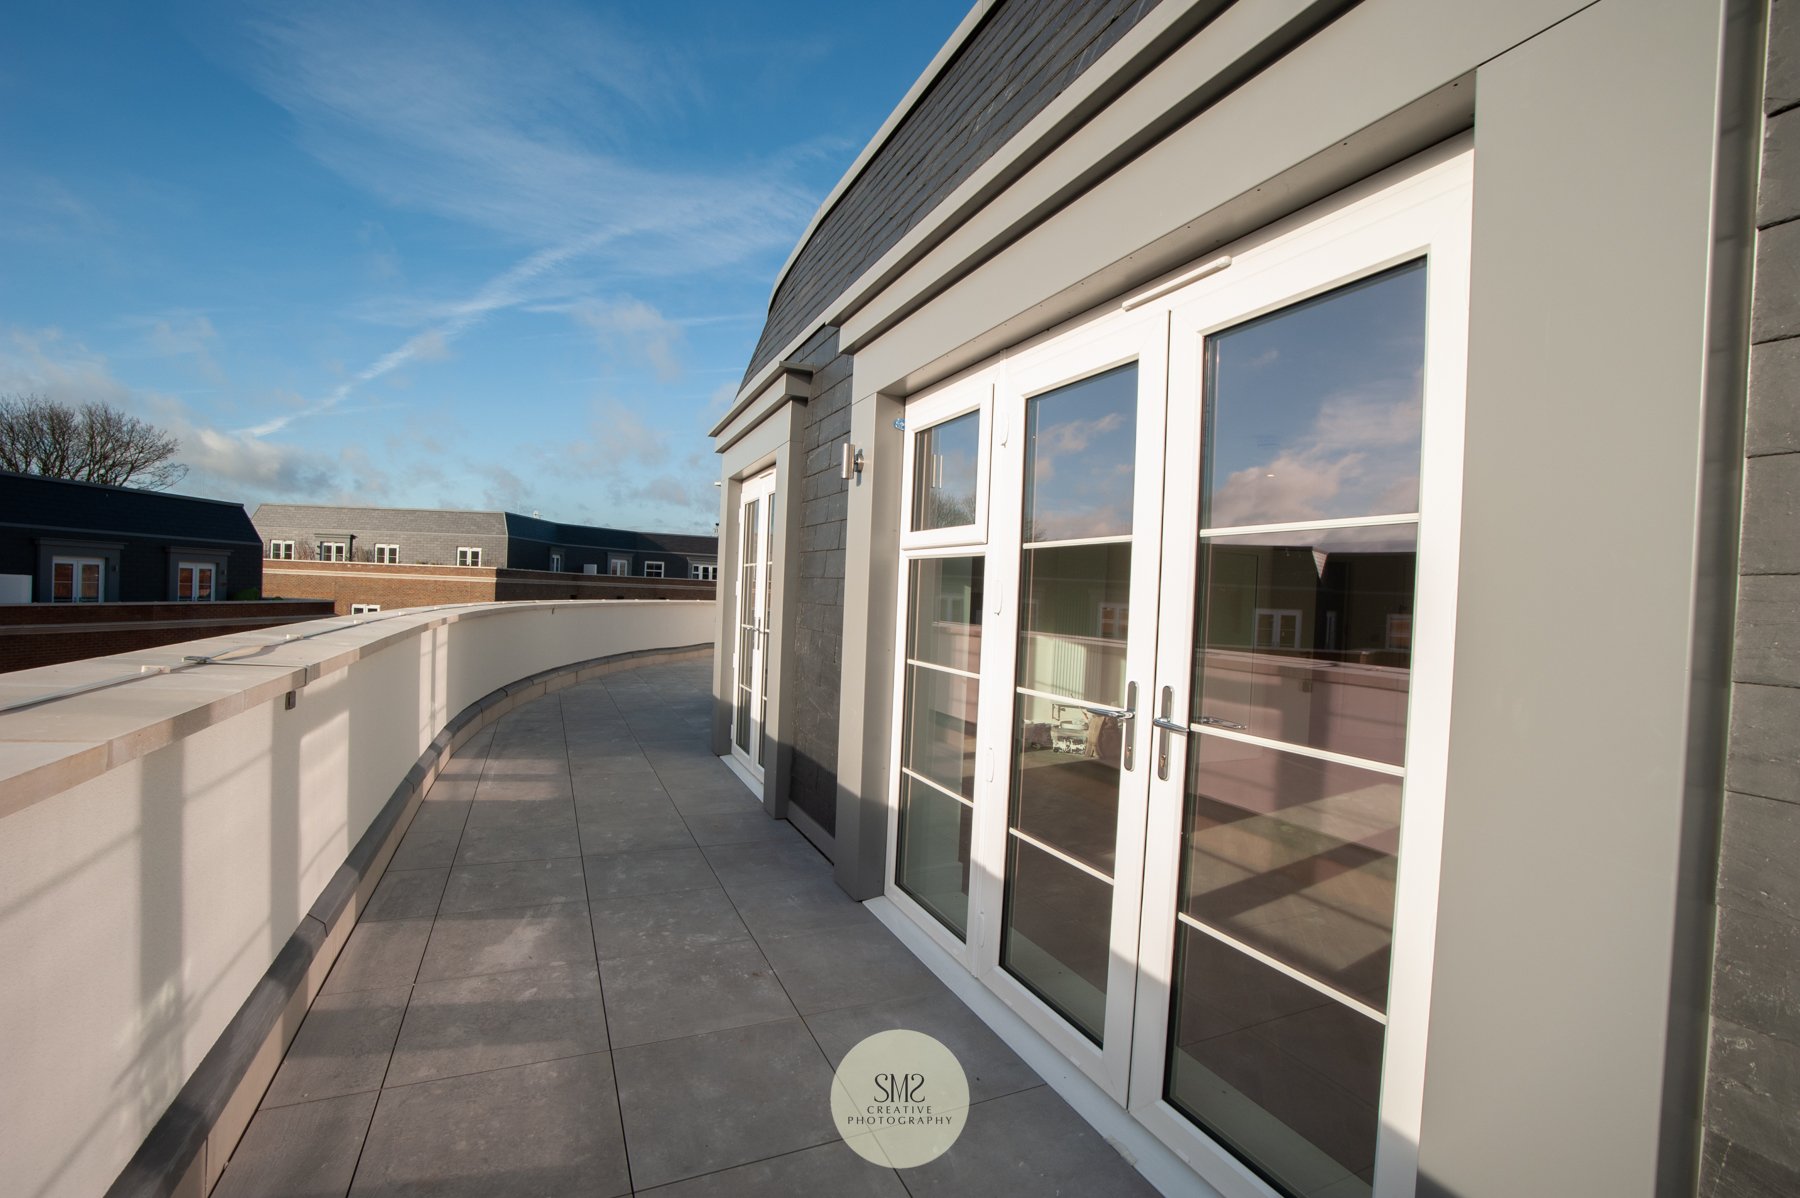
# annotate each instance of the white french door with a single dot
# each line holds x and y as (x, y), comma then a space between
(750, 661)
(1217, 582)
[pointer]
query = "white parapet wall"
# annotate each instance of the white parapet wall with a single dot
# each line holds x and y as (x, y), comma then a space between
(161, 838)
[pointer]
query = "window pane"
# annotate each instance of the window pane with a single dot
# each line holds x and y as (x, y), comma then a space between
(1282, 1074)
(1295, 857)
(932, 860)
(62, 582)
(940, 728)
(946, 473)
(1080, 446)
(1306, 637)
(1058, 923)
(203, 585)
(1067, 785)
(184, 583)
(946, 598)
(1313, 412)
(1074, 618)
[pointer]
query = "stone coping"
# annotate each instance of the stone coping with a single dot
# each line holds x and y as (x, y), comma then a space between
(65, 724)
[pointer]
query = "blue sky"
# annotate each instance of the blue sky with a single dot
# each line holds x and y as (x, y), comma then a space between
(428, 254)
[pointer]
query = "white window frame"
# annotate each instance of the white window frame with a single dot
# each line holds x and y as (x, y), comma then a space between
(704, 572)
(387, 554)
(364, 609)
(468, 555)
(618, 565)
(334, 551)
(281, 551)
(972, 392)
(556, 563)
(212, 582)
(659, 568)
(78, 565)
(1279, 618)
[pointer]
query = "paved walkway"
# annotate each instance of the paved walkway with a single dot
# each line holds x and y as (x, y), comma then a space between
(596, 967)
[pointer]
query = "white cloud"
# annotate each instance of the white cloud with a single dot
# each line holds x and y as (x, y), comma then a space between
(638, 329)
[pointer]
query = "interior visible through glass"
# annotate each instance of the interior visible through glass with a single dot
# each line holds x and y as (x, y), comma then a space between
(748, 530)
(942, 699)
(1074, 618)
(1302, 659)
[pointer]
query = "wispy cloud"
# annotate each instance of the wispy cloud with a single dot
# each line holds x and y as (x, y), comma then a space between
(522, 122)
(636, 329)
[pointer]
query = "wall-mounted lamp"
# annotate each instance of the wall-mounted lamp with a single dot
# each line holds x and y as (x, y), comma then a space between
(853, 461)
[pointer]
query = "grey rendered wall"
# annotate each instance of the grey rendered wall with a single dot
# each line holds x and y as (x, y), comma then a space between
(1024, 53)
(1752, 1117)
(1586, 748)
(819, 625)
(425, 537)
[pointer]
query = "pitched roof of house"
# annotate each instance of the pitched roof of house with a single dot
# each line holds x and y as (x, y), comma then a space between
(63, 505)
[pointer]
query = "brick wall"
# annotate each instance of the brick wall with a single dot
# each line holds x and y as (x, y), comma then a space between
(1752, 1113)
(345, 583)
(47, 634)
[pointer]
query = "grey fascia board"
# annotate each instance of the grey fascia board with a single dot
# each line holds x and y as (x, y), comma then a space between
(789, 382)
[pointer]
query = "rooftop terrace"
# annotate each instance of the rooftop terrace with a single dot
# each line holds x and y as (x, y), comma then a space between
(595, 966)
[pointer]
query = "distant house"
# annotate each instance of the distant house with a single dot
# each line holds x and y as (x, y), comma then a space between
(74, 542)
(368, 559)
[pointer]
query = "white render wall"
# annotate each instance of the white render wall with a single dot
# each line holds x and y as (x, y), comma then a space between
(161, 840)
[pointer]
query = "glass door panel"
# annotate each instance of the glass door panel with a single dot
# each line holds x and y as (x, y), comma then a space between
(1069, 732)
(1298, 683)
(756, 559)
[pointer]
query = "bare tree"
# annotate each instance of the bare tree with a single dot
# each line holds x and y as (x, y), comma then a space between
(95, 443)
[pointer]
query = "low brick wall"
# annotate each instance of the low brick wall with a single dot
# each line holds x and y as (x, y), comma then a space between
(48, 634)
(389, 587)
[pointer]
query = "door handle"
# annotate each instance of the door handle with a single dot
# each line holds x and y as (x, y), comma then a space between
(1125, 714)
(1166, 724)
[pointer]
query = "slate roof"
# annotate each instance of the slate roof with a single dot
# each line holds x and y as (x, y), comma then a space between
(531, 528)
(95, 509)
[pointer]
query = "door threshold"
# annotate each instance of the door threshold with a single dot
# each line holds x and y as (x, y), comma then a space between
(744, 775)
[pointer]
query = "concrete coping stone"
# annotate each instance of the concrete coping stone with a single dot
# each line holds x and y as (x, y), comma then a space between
(65, 724)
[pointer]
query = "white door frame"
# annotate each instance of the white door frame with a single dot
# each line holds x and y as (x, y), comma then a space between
(755, 567)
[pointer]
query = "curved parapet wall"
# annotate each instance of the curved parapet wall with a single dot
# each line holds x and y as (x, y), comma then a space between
(186, 836)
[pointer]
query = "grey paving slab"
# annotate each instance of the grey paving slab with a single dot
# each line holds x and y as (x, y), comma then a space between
(800, 905)
(828, 1170)
(846, 967)
(452, 790)
(482, 846)
(303, 1151)
(385, 953)
(992, 1068)
(658, 872)
(1027, 1143)
(406, 894)
(477, 942)
(543, 1129)
(342, 1047)
(523, 805)
(691, 991)
(636, 831)
(741, 827)
(692, 802)
(704, 1103)
(496, 1020)
(514, 884)
(431, 838)
(743, 865)
(645, 924)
